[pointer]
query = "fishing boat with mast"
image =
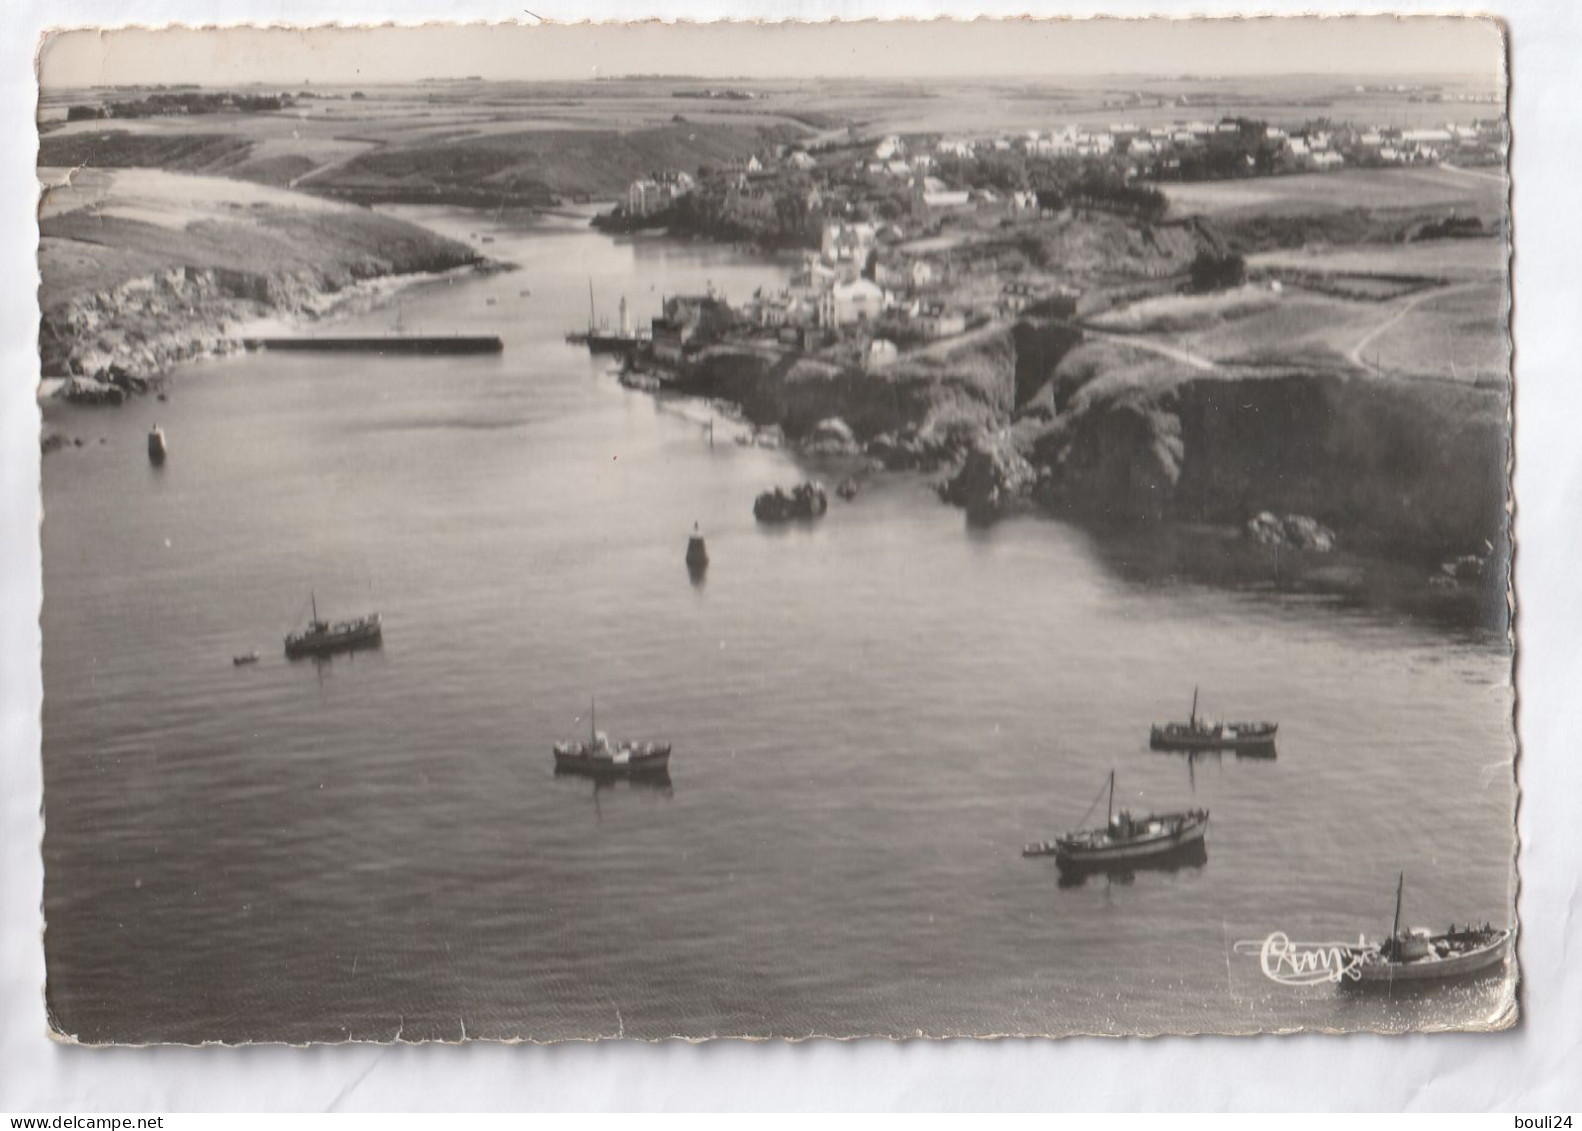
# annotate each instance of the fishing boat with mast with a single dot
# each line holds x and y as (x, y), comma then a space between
(1198, 733)
(1417, 954)
(599, 757)
(322, 637)
(623, 342)
(1125, 840)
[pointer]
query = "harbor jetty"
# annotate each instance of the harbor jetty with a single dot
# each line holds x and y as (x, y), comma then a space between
(381, 344)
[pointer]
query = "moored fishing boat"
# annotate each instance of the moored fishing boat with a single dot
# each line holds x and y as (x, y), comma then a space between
(623, 342)
(1126, 840)
(697, 550)
(599, 757)
(323, 637)
(1202, 734)
(156, 444)
(1417, 954)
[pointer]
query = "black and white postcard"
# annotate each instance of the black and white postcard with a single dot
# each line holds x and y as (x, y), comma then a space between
(891, 529)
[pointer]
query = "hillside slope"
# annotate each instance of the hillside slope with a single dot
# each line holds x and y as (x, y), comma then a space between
(142, 268)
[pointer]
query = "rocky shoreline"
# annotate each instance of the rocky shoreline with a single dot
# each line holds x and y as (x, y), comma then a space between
(143, 270)
(109, 344)
(1367, 490)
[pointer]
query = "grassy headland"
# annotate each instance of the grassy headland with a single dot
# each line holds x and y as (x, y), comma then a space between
(143, 268)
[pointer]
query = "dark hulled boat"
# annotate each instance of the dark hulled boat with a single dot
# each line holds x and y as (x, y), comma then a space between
(623, 342)
(599, 757)
(1202, 734)
(1417, 954)
(1126, 840)
(322, 637)
(697, 550)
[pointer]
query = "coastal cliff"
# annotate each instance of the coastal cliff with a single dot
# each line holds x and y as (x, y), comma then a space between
(1400, 476)
(1409, 470)
(950, 392)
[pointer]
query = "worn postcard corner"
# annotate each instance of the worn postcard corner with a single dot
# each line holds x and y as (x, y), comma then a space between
(676, 531)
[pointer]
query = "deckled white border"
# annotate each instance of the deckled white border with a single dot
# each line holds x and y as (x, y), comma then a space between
(1528, 1070)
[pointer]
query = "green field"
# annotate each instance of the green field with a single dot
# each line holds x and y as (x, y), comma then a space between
(1307, 194)
(109, 227)
(1462, 259)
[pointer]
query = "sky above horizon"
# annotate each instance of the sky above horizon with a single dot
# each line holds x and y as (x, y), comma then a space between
(1378, 45)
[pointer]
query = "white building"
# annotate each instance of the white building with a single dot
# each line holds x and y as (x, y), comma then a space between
(881, 352)
(890, 148)
(843, 241)
(655, 194)
(936, 194)
(858, 300)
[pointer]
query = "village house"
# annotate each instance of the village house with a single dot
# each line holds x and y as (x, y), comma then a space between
(816, 274)
(846, 241)
(934, 320)
(937, 194)
(658, 193)
(890, 148)
(689, 321)
(750, 205)
(1425, 137)
(880, 352)
(851, 302)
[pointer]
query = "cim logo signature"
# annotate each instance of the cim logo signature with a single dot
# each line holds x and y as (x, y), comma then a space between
(1304, 963)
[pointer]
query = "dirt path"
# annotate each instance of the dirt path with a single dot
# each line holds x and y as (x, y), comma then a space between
(334, 163)
(1497, 178)
(1355, 353)
(1174, 353)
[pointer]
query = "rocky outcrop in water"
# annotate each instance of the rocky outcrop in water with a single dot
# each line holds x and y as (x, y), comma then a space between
(907, 449)
(832, 437)
(994, 479)
(1294, 530)
(806, 500)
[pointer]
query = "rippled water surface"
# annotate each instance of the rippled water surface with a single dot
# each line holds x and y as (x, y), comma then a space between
(870, 716)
